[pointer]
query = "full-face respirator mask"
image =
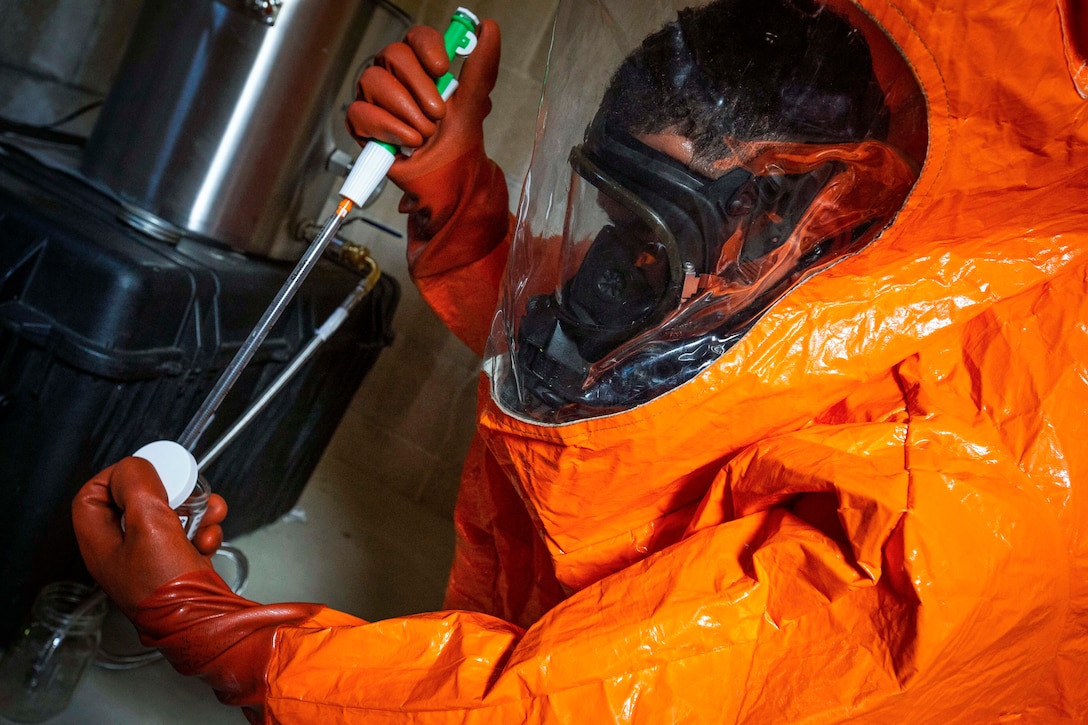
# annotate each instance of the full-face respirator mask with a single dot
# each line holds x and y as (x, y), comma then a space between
(667, 226)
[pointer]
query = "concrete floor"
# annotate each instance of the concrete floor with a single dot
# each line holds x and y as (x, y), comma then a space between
(351, 543)
(359, 540)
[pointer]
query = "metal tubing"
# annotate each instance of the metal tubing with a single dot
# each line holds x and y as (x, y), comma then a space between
(203, 417)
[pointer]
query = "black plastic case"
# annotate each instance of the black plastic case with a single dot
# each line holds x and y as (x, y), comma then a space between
(110, 340)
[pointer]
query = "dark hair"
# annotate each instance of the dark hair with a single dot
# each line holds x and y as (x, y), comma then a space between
(750, 69)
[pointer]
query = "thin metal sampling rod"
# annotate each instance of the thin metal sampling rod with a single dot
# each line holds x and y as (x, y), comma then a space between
(203, 417)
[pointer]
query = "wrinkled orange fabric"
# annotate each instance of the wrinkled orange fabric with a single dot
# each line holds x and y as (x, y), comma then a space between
(871, 509)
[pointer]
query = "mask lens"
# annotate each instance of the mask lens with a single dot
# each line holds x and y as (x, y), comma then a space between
(620, 267)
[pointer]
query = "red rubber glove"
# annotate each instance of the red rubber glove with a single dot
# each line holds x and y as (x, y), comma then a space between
(209, 534)
(152, 549)
(169, 589)
(455, 195)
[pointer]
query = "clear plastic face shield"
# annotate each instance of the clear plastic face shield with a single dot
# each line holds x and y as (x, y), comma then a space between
(690, 171)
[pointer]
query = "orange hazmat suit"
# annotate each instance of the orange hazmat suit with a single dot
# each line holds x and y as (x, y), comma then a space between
(872, 508)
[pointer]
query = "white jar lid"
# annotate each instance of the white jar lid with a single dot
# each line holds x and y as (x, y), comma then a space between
(176, 468)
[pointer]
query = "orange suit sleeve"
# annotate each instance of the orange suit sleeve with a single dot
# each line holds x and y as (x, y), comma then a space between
(839, 573)
(459, 229)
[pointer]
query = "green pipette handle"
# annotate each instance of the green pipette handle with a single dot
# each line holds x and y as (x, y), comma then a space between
(460, 39)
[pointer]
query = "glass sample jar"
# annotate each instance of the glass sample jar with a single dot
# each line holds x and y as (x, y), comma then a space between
(192, 511)
(41, 670)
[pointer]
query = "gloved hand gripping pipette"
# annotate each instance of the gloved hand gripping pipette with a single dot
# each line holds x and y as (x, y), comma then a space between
(174, 462)
(369, 169)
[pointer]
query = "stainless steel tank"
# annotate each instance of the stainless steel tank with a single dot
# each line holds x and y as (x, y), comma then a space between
(219, 121)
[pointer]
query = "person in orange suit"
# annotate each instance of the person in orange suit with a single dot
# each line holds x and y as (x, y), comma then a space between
(784, 392)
